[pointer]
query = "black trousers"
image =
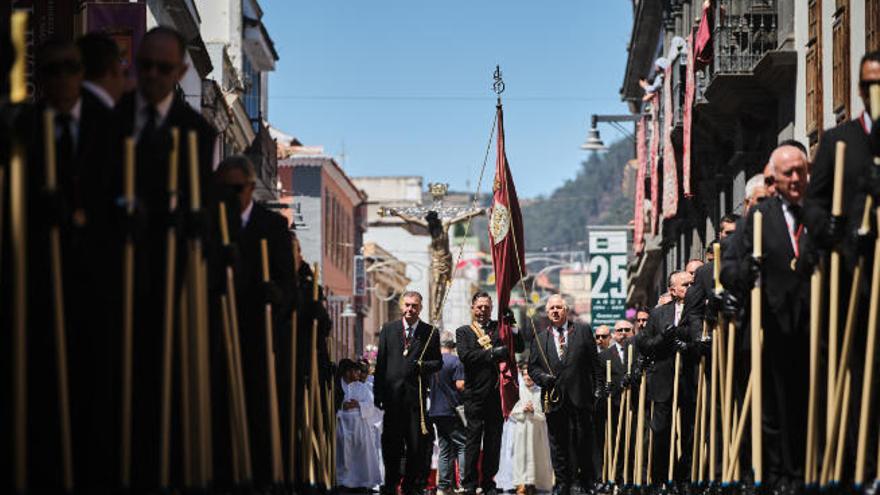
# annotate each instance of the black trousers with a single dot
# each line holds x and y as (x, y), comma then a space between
(661, 425)
(402, 436)
(483, 428)
(784, 422)
(571, 438)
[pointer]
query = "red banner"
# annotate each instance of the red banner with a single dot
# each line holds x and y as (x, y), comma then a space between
(670, 173)
(703, 49)
(689, 90)
(655, 158)
(639, 207)
(508, 258)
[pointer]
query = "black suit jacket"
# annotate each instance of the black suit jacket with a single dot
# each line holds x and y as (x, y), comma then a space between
(817, 205)
(574, 377)
(661, 374)
(396, 379)
(480, 370)
(786, 291)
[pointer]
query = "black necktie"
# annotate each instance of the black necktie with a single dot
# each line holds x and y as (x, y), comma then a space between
(795, 211)
(149, 129)
(64, 146)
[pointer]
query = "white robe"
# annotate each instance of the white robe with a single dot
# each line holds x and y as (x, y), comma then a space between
(530, 443)
(358, 463)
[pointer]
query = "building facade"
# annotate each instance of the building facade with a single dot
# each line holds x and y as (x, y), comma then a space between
(742, 76)
(331, 211)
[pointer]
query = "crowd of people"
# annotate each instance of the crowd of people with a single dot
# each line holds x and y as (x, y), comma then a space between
(153, 303)
(665, 399)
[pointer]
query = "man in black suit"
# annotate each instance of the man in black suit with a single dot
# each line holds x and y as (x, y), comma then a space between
(861, 178)
(784, 271)
(148, 115)
(564, 363)
(78, 209)
(254, 223)
(481, 350)
(409, 353)
(667, 334)
(616, 354)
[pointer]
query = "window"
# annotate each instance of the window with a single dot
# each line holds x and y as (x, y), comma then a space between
(251, 96)
(840, 61)
(813, 65)
(872, 25)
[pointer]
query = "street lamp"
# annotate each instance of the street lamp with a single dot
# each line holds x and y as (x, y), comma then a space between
(594, 141)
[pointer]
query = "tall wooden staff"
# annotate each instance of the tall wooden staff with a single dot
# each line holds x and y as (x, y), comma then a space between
(740, 429)
(274, 421)
(237, 379)
(58, 303)
(837, 433)
(713, 397)
(606, 471)
(673, 430)
(815, 322)
(293, 399)
(127, 314)
(621, 418)
(695, 449)
(870, 347)
(757, 370)
(640, 434)
(18, 239)
(168, 321)
(628, 401)
(651, 447)
(199, 328)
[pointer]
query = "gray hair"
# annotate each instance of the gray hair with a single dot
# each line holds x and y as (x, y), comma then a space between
(557, 296)
(411, 293)
(754, 183)
(447, 339)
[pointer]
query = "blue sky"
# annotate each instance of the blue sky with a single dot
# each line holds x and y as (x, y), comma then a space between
(404, 86)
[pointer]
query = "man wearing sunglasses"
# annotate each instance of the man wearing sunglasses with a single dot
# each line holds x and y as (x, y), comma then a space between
(861, 178)
(148, 115)
(80, 125)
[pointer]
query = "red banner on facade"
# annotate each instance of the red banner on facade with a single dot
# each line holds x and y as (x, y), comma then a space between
(703, 49)
(688, 115)
(670, 172)
(655, 158)
(639, 207)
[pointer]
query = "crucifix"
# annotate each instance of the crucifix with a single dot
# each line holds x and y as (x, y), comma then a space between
(436, 218)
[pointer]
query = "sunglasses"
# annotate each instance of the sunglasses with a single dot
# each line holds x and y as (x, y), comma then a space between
(623, 330)
(62, 67)
(641, 319)
(602, 337)
(146, 65)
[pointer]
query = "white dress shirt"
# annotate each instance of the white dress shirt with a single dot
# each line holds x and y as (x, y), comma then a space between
(556, 331)
(679, 306)
(100, 93)
(246, 214)
(790, 222)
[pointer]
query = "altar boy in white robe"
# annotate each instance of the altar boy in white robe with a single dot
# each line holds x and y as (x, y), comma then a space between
(358, 463)
(531, 470)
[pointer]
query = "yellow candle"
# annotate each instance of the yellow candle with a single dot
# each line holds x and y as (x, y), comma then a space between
(839, 163)
(758, 237)
(194, 191)
(17, 80)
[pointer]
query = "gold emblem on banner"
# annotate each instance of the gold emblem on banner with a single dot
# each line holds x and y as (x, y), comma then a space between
(499, 223)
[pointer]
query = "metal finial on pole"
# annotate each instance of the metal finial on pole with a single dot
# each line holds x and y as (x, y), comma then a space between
(498, 85)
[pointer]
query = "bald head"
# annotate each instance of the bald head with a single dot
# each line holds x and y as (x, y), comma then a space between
(789, 167)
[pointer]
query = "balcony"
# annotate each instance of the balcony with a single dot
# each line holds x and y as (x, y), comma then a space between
(748, 69)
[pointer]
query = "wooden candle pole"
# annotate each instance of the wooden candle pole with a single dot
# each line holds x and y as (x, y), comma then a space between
(713, 406)
(756, 348)
(18, 241)
(673, 430)
(649, 475)
(128, 316)
(237, 384)
(841, 434)
(606, 471)
(834, 283)
(640, 434)
(612, 470)
(870, 344)
(740, 428)
(234, 418)
(274, 421)
(815, 322)
(168, 321)
(628, 399)
(58, 306)
(293, 399)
